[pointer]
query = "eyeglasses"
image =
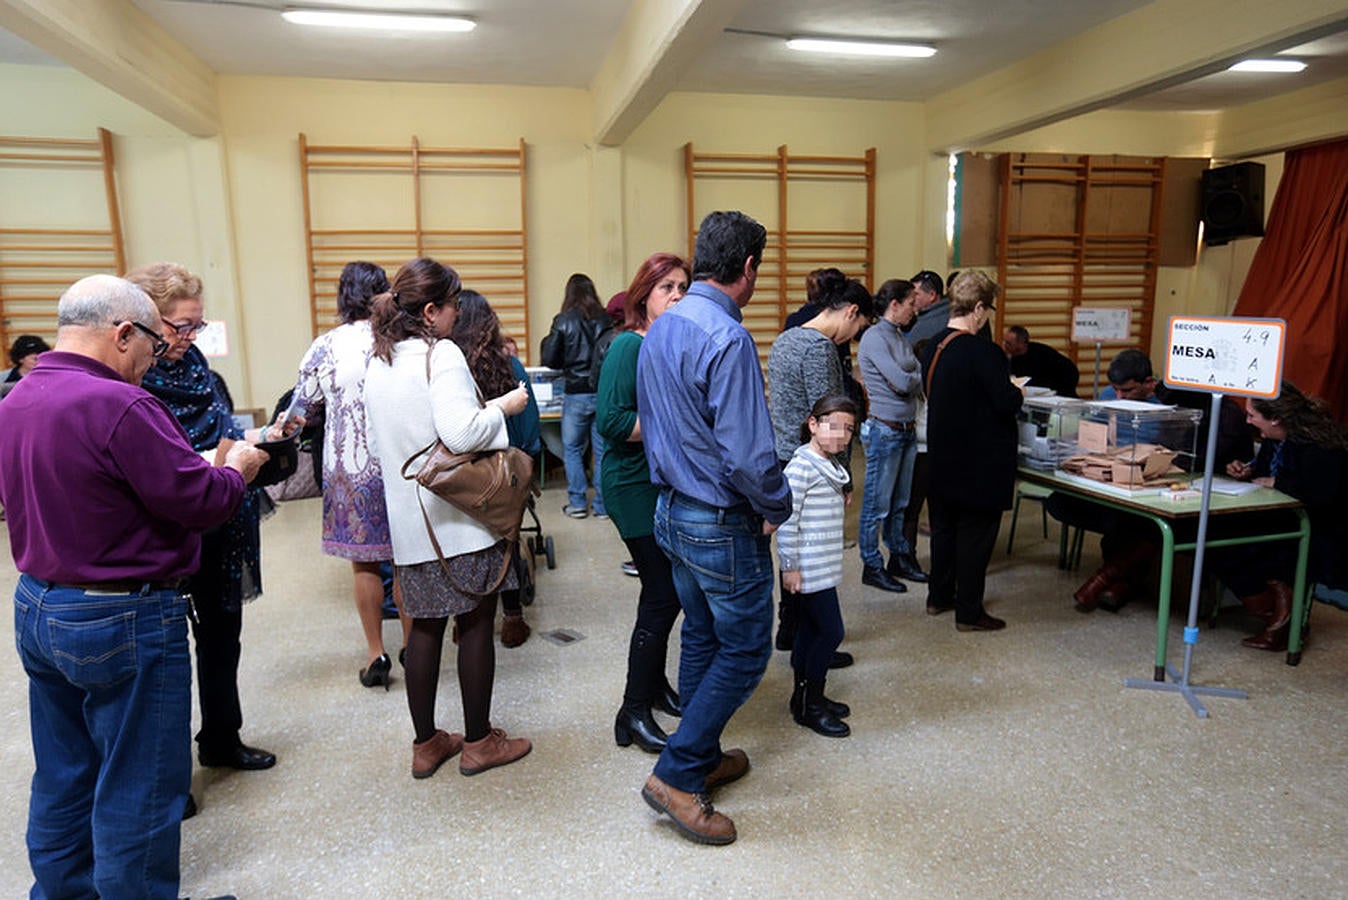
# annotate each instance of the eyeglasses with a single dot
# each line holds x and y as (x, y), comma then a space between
(159, 346)
(185, 329)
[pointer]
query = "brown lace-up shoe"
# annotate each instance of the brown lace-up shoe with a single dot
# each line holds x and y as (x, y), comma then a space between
(493, 750)
(692, 814)
(732, 767)
(431, 754)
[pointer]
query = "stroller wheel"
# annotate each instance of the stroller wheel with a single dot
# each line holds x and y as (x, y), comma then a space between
(550, 551)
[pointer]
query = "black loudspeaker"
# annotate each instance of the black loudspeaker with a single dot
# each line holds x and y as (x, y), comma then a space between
(1233, 202)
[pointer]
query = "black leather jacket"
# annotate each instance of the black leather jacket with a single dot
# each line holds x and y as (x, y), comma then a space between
(569, 347)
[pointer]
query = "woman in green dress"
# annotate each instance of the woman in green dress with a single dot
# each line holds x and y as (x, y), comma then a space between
(629, 497)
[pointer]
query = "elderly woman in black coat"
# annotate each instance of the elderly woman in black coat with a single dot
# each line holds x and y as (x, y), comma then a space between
(971, 445)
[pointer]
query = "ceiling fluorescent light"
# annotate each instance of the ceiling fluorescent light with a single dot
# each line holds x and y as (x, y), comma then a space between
(860, 48)
(1269, 65)
(384, 21)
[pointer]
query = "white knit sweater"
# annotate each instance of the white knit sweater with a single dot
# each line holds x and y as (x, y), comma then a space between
(811, 540)
(406, 414)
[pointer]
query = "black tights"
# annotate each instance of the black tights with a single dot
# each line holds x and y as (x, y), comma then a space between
(477, 670)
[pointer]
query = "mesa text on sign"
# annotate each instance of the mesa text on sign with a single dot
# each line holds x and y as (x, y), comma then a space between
(1232, 355)
(1104, 325)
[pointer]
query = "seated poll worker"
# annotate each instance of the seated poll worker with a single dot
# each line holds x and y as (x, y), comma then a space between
(1303, 453)
(1128, 542)
(1044, 366)
(107, 502)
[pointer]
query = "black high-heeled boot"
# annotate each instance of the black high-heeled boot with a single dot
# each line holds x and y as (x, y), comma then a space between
(636, 725)
(379, 672)
(667, 701)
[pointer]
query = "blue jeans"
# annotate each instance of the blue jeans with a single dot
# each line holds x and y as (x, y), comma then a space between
(110, 709)
(884, 496)
(577, 428)
(723, 572)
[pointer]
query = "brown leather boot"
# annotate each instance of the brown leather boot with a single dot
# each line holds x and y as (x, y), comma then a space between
(732, 767)
(1274, 606)
(514, 630)
(431, 754)
(1108, 576)
(692, 814)
(493, 750)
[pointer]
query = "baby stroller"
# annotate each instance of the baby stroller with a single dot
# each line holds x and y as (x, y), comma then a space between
(537, 545)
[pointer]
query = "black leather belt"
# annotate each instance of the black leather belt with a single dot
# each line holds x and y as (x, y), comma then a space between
(897, 426)
(128, 586)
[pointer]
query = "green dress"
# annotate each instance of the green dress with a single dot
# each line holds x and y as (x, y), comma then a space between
(629, 496)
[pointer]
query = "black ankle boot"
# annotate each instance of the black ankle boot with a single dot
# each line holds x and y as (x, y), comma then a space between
(797, 703)
(816, 715)
(637, 726)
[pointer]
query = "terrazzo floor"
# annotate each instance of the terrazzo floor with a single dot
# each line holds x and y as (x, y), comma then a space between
(1012, 764)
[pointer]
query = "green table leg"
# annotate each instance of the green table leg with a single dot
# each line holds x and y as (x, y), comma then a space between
(1163, 594)
(1296, 629)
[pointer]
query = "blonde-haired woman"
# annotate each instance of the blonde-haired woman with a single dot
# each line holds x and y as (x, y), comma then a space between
(231, 566)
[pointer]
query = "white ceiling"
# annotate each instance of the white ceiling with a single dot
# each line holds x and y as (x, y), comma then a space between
(563, 43)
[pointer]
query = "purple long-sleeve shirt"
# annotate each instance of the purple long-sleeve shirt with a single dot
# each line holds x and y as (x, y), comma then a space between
(98, 480)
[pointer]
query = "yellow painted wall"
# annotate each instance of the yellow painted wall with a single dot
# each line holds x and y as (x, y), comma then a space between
(654, 198)
(171, 186)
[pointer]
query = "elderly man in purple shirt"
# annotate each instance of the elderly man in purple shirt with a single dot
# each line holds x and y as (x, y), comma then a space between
(704, 421)
(106, 500)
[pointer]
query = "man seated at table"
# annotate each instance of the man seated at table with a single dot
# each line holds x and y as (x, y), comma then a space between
(1044, 366)
(1127, 542)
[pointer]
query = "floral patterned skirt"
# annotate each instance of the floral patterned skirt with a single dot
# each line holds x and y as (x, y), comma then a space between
(431, 593)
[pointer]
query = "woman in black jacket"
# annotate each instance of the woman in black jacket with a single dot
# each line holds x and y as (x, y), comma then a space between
(1303, 453)
(569, 347)
(971, 448)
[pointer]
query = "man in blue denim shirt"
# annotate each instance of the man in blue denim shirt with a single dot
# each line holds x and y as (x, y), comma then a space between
(704, 421)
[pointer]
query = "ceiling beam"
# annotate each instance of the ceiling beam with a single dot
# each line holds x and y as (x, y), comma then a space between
(1156, 46)
(658, 40)
(117, 45)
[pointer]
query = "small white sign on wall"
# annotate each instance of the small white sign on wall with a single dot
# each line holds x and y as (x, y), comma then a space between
(1237, 356)
(1102, 325)
(213, 340)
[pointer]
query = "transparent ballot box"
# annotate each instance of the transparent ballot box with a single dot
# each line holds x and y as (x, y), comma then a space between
(547, 387)
(1134, 445)
(1048, 430)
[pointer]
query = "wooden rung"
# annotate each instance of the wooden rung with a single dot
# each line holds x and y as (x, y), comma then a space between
(103, 232)
(49, 158)
(50, 142)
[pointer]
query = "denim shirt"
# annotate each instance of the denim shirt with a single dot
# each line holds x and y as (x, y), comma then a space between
(704, 415)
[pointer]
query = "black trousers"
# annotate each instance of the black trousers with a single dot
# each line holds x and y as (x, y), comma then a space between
(962, 539)
(657, 610)
(216, 631)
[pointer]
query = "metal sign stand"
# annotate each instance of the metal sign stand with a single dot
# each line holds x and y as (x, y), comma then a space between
(1095, 389)
(1179, 683)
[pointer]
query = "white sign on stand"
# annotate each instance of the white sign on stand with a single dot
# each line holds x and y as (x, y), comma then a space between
(1219, 357)
(1241, 357)
(1104, 325)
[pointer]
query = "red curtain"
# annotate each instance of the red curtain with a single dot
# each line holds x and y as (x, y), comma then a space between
(1300, 271)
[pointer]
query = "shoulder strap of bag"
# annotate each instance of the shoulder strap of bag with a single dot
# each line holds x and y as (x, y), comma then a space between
(931, 369)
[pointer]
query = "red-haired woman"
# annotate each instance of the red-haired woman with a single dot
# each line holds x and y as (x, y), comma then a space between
(630, 497)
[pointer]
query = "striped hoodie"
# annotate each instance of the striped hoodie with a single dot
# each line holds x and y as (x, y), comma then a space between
(811, 541)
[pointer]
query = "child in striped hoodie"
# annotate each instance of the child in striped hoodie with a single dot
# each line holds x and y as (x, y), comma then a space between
(810, 551)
